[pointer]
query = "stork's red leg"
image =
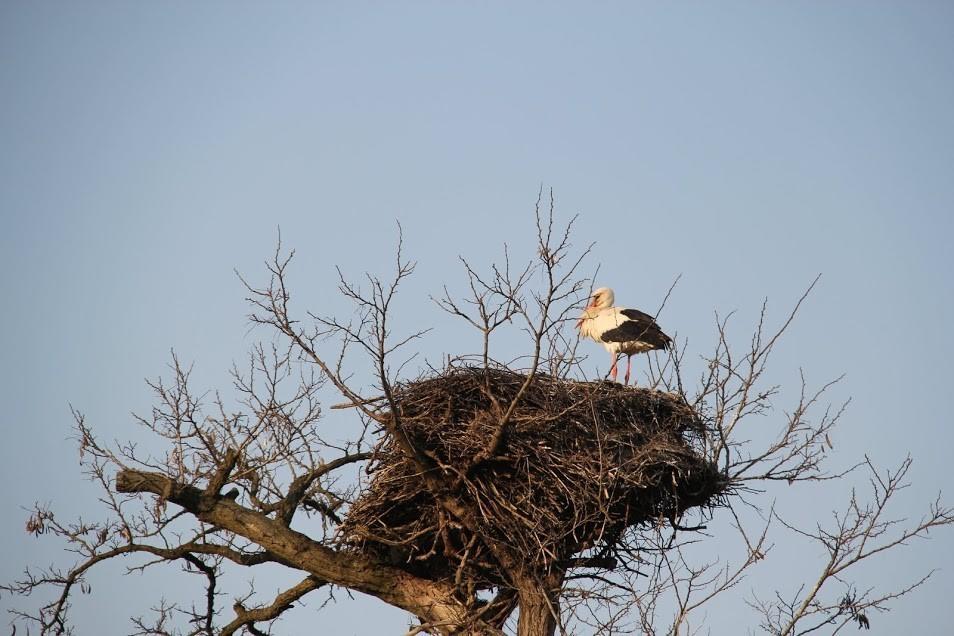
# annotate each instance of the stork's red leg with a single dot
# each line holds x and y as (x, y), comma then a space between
(613, 369)
(629, 363)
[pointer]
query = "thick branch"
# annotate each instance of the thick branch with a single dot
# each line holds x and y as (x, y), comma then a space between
(431, 601)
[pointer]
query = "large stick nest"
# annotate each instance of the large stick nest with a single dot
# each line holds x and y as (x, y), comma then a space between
(580, 463)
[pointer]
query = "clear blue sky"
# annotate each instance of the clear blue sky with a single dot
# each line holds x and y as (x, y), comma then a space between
(147, 149)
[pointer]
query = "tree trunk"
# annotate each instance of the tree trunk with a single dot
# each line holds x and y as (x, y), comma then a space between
(538, 613)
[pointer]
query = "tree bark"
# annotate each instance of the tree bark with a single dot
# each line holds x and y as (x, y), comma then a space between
(536, 616)
(539, 605)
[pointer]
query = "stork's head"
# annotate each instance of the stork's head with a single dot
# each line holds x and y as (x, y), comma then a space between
(601, 298)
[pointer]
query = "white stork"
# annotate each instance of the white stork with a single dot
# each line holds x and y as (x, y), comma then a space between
(620, 330)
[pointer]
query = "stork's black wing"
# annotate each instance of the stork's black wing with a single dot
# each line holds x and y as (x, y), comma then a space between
(638, 327)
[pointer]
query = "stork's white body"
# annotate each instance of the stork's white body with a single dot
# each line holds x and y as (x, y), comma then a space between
(596, 322)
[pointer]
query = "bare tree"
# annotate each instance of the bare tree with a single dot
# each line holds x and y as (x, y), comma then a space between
(525, 489)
